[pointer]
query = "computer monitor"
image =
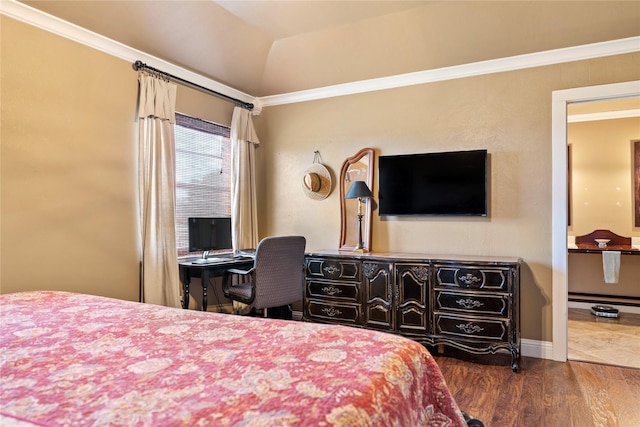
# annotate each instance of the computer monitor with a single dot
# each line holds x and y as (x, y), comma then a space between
(209, 234)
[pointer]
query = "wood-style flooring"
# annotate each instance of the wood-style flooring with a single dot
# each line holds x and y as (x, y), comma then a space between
(604, 340)
(543, 393)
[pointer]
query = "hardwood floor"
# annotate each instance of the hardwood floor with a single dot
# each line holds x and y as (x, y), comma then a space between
(543, 393)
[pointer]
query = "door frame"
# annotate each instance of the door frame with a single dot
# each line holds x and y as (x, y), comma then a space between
(559, 249)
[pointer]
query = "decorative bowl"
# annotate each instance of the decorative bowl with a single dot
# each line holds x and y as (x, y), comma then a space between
(602, 243)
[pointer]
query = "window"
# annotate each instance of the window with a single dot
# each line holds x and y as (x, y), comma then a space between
(203, 173)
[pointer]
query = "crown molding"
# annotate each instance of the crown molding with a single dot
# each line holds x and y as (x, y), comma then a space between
(606, 115)
(24, 13)
(512, 63)
(44, 21)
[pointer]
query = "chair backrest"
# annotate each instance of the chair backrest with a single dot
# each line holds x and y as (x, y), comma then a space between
(279, 271)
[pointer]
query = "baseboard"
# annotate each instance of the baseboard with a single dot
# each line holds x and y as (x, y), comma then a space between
(537, 349)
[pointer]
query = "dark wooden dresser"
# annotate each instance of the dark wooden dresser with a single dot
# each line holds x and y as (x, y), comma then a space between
(471, 303)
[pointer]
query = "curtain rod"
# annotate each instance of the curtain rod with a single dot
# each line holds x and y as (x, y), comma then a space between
(139, 65)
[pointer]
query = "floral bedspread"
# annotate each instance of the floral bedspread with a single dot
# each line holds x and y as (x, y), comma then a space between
(79, 360)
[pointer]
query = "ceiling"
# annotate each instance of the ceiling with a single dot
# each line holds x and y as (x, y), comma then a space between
(227, 41)
(273, 47)
(282, 19)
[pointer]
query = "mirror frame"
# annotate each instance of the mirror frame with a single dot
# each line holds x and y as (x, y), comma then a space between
(345, 225)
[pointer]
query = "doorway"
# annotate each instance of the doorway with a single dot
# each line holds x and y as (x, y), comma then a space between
(559, 259)
(601, 160)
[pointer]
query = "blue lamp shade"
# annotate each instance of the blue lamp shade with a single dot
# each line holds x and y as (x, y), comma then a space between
(358, 190)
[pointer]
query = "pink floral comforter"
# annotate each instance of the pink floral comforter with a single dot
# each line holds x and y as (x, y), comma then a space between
(79, 360)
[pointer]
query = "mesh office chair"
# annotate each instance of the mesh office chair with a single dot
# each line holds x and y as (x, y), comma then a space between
(277, 276)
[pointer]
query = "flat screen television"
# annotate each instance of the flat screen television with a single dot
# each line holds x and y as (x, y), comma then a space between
(209, 234)
(447, 183)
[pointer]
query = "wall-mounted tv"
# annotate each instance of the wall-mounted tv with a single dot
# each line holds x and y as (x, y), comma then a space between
(209, 234)
(446, 183)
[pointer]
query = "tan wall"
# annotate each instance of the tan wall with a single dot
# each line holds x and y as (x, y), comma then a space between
(602, 188)
(509, 114)
(69, 219)
(68, 168)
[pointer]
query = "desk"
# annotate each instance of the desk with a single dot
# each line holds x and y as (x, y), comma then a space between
(204, 271)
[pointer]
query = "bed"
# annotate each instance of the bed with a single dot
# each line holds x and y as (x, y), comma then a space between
(79, 360)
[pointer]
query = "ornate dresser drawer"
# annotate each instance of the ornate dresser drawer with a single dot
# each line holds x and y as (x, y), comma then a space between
(333, 269)
(467, 327)
(332, 312)
(473, 277)
(348, 291)
(472, 303)
(475, 306)
(333, 290)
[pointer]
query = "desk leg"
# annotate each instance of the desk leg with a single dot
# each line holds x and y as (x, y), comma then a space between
(185, 278)
(205, 283)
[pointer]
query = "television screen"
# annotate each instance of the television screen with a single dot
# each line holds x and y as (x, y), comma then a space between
(208, 234)
(449, 183)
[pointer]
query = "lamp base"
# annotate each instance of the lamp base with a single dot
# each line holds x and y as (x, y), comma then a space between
(359, 249)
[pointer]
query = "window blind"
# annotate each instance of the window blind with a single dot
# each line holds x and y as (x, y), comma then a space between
(203, 173)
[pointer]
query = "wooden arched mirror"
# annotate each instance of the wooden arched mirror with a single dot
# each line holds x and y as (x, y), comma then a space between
(359, 167)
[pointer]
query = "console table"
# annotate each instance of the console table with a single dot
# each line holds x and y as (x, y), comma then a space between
(471, 303)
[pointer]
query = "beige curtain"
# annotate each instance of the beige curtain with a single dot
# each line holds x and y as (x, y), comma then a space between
(156, 176)
(244, 211)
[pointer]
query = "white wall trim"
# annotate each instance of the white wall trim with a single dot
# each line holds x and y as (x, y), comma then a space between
(559, 253)
(44, 21)
(537, 349)
(605, 115)
(538, 59)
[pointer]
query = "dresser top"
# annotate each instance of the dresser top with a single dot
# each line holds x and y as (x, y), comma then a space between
(399, 256)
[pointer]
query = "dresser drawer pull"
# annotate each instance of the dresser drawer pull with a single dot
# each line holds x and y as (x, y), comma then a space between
(469, 303)
(469, 328)
(469, 279)
(331, 269)
(331, 290)
(331, 312)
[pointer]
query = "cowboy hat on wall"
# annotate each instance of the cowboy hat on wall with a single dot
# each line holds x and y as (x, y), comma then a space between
(316, 182)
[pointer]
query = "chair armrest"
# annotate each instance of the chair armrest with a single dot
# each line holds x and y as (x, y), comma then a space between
(227, 274)
(226, 286)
